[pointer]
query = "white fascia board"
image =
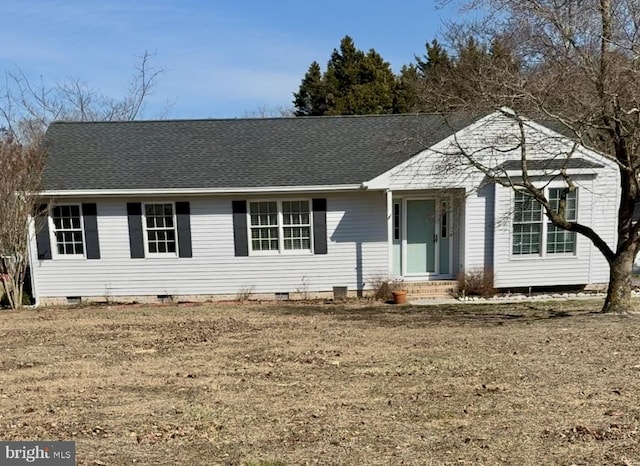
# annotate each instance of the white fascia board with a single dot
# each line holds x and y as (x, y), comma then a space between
(199, 191)
(380, 182)
(583, 172)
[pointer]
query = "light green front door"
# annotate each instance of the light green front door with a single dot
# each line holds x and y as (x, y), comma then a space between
(421, 236)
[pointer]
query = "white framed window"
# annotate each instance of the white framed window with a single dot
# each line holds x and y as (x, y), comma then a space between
(561, 241)
(264, 226)
(397, 211)
(444, 219)
(296, 225)
(280, 226)
(532, 235)
(160, 228)
(67, 230)
(527, 224)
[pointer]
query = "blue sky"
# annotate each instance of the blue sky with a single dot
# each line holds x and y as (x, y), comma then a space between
(222, 58)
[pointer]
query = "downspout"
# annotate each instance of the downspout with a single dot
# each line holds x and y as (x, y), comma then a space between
(32, 270)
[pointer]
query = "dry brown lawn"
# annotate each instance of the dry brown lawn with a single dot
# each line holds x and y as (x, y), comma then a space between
(526, 384)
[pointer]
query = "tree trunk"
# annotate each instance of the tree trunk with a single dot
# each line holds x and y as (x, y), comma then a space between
(618, 299)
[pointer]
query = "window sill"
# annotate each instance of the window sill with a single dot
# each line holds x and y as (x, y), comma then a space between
(67, 257)
(540, 257)
(305, 252)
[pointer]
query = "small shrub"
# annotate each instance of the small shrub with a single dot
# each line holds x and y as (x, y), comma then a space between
(303, 290)
(383, 292)
(477, 282)
(244, 293)
(4, 299)
(384, 287)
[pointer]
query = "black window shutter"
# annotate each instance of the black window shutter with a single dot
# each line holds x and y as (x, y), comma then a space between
(90, 219)
(240, 241)
(43, 240)
(136, 240)
(319, 207)
(183, 213)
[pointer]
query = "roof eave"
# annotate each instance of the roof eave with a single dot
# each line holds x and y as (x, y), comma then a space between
(592, 171)
(199, 191)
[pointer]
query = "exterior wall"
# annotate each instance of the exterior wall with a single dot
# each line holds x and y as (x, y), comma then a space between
(596, 207)
(357, 250)
(479, 223)
(486, 222)
(356, 233)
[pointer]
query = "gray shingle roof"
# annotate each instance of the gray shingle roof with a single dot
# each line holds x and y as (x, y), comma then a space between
(236, 153)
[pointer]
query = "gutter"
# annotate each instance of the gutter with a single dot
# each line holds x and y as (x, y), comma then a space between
(201, 191)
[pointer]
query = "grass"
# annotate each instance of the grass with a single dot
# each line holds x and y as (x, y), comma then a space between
(531, 383)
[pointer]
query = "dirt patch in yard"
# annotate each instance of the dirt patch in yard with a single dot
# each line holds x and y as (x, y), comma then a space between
(530, 383)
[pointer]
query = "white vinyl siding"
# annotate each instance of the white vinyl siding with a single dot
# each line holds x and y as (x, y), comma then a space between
(357, 248)
(485, 232)
(595, 206)
(356, 251)
(479, 223)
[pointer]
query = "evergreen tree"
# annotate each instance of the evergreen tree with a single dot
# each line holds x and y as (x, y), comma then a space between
(355, 83)
(311, 99)
(436, 61)
(441, 82)
(407, 93)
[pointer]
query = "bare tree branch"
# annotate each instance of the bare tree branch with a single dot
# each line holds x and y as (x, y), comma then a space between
(27, 107)
(575, 63)
(21, 167)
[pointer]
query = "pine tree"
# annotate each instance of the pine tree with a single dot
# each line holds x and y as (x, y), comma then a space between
(439, 82)
(355, 83)
(311, 99)
(407, 93)
(436, 61)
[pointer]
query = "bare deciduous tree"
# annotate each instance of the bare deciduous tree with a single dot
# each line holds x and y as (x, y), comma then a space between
(265, 111)
(578, 64)
(21, 168)
(26, 109)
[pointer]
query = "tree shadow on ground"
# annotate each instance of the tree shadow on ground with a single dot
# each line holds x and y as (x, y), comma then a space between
(450, 315)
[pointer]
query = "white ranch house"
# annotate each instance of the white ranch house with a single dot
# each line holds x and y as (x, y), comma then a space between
(208, 209)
